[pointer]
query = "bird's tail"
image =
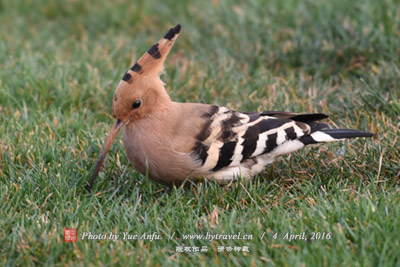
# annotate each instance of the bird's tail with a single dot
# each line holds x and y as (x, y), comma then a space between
(331, 135)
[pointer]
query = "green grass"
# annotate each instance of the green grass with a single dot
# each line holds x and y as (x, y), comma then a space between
(60, 62)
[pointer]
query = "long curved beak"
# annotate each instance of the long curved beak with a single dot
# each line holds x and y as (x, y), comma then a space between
(116, 128)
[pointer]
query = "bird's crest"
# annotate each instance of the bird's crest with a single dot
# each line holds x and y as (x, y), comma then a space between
(142, 81)
(152, 62)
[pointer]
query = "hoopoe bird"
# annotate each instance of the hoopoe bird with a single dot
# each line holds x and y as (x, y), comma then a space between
(173, 141)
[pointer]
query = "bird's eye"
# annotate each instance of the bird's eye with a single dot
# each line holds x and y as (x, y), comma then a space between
(136, 104)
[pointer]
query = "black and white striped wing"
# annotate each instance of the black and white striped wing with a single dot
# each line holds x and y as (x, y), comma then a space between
(230, 138)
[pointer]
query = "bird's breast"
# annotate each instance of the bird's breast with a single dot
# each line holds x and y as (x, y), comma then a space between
(151, 153)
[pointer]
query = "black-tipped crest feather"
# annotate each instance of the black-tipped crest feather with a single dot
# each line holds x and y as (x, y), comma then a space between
(172, 32)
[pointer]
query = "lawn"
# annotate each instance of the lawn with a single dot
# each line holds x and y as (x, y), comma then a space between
(60, 62)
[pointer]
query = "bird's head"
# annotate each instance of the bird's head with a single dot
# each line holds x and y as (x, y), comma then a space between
(139, 91)
(141, 88)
